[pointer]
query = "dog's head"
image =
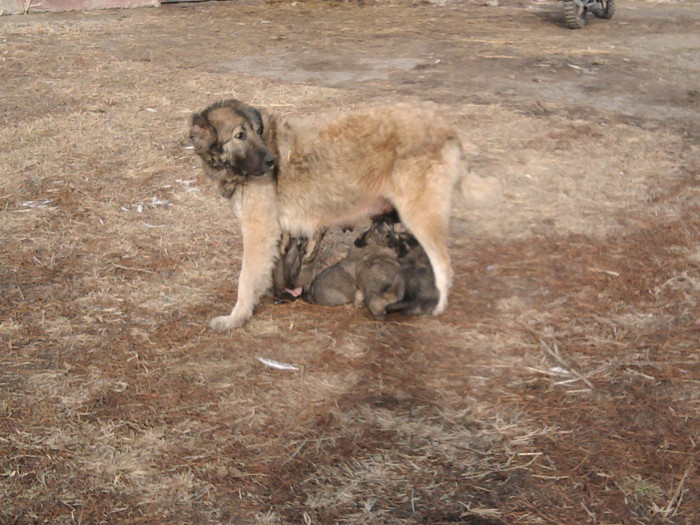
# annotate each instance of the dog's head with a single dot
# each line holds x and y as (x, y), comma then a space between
(228, 137)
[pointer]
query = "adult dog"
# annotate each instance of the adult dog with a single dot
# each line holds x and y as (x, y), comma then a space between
(299, 176)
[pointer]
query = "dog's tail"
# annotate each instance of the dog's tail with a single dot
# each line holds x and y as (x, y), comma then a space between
(480, 191)
(475, 190)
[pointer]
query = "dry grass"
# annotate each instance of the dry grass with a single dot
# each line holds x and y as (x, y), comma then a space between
(561, 386)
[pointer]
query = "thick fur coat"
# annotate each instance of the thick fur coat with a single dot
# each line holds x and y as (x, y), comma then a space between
(302, 175)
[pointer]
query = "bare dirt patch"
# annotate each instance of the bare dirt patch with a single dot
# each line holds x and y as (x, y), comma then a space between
(561, 386)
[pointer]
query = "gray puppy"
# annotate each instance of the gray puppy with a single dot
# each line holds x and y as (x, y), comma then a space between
(370, 272)
(420, 295)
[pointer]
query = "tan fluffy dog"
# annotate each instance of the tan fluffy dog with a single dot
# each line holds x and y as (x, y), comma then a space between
(299, 176)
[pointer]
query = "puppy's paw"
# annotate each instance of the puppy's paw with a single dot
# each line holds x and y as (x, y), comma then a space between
(377, 308)
(226, 322)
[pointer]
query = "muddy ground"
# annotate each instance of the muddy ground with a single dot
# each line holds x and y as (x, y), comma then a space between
(562, 385)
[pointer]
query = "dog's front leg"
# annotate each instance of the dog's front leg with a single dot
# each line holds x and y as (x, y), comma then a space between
(257, 212)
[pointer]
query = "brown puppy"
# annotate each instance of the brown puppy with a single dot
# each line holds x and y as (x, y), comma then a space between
(303, 175)
(295, 268)
(288, 267)
(370, 273)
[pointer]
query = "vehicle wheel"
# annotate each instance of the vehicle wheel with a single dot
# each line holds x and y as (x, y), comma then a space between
(575, 15)
(604, 9)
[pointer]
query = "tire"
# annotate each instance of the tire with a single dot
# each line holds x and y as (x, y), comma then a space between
(575, 15)
(606, 9)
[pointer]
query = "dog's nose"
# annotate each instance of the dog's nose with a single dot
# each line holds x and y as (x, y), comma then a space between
(270, 161)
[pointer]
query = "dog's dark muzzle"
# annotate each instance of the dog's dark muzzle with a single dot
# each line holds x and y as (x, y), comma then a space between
(258, 164)
(269, 162)
(267, 166)
(262, 162)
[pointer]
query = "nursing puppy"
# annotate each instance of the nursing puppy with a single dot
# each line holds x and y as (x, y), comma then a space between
(375, 255)
(420, 294)
(300, 176)
(296, 265)
(370, 272)
(285, 273)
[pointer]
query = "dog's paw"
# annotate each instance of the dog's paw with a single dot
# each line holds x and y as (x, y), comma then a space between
(441, 306)
(226, 322)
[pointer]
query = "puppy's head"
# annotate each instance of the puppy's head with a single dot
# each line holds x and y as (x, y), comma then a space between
(381, 233)
(227, 136)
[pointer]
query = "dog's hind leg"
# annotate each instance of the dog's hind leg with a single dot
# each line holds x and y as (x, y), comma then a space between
(430, 229)
(428, 219)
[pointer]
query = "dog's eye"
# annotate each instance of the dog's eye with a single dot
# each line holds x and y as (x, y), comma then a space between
(240, 135)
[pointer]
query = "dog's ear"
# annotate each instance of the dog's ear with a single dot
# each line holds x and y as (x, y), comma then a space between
(257, 119)
(268, 127)
(251, 114)
(202, 132)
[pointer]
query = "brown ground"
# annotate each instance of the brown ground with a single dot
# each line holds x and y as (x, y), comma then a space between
(562, 386)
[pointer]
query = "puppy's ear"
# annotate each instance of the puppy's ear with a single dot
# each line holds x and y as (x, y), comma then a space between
(202, 133)
(401, 249)
(361, 241)
(411, 240)
(396, 243)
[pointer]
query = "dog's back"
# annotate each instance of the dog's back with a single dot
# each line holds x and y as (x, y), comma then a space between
(338, 169)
